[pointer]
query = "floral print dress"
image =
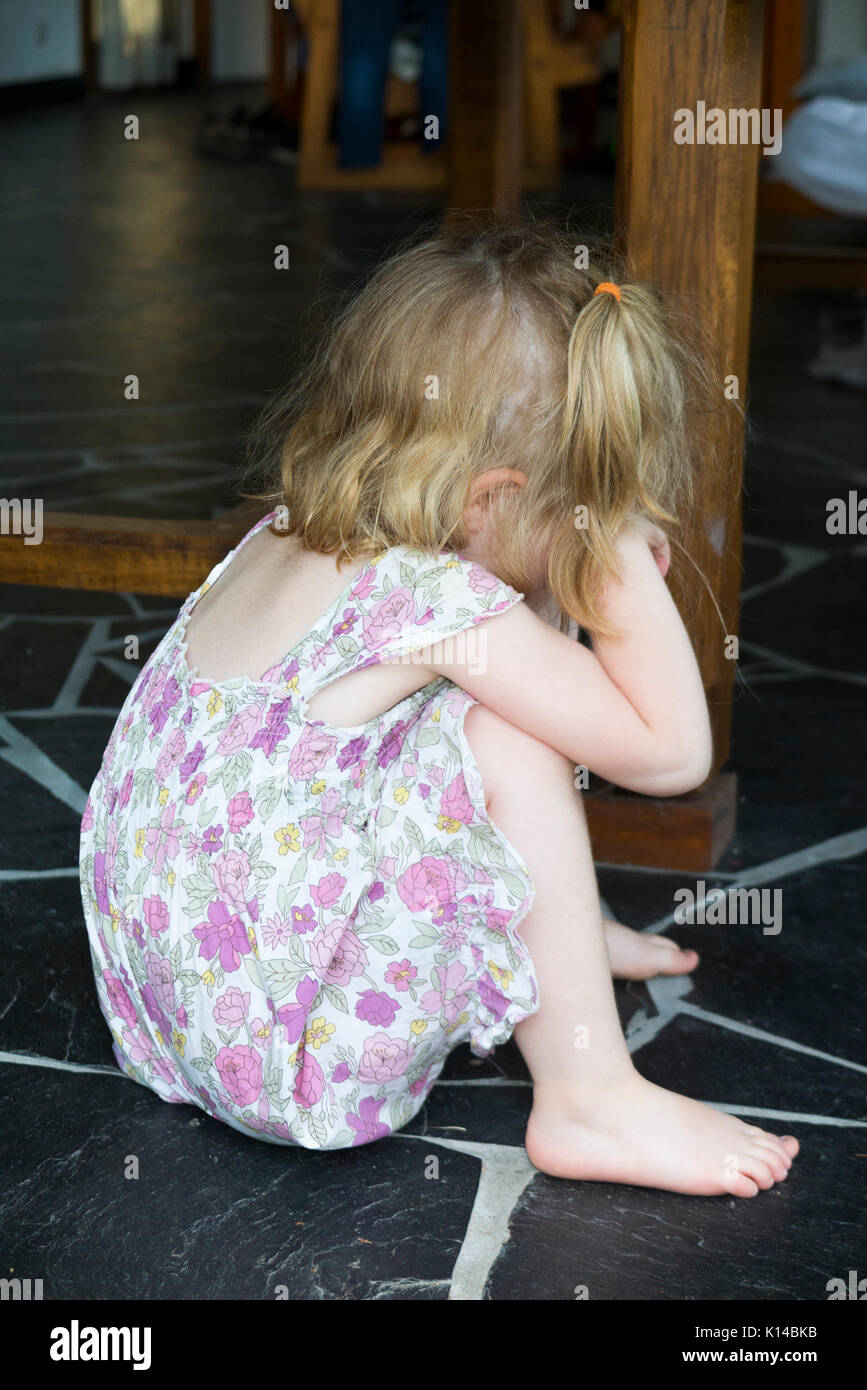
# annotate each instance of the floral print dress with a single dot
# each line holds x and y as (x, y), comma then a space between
(291, 923)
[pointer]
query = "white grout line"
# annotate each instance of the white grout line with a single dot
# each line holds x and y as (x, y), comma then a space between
(83, 666)
(24, 1059)
(31, 760)
(847, 846)
(798, 450)
(802, 668)
(748, 1031)
(796, 1116)
(506, 1172)
(16, 875)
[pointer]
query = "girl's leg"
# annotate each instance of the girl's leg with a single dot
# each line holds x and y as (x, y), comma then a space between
(593, 1116)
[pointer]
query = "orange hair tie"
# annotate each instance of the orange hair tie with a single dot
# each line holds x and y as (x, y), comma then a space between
(606, 287)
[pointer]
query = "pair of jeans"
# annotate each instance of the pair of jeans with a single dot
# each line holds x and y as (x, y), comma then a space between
(367, 29)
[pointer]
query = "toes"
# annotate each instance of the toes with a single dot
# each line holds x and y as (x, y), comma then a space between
(791, 1145)
(742, 1186)
(679, 962)
(773, 1142)
(753, 1166)
(778, 1164)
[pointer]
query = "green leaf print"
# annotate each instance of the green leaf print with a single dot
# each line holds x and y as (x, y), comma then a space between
(235, 771)
(386, 944)
(413, 833)
(318, 1130)
(175, 958)
(208, 1047)
(199, 895)
(347, 646)
(300, 868)
(431, 576)
(336, 997)
(407, 575)
(516, 886)
(425, 738)
(268, 797)
(140, 880)
(296, 951)
(387, 585)
(272, 1088)
(386, 815)
(282, 977)
(200, 1064)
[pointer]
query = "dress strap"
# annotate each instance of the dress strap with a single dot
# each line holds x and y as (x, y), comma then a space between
(214, 574)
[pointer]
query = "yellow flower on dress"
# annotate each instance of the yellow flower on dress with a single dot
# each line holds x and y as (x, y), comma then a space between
(418, 1026)
(115, 918)
(401, 795)
(171, 877)
(436, 716)
(179, 1040)
(209, 979)
(448, 824)
(159, 1037)
(140, 838)
(215, 703)
(287, 838)
(453, 564)
(318, 786)
(503, 977)
(293, 684)
(251, 937)
(318, 1033)
(341, 854)
(264, 1032)
(163, 796)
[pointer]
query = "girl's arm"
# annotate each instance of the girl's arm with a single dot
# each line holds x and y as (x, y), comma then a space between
(632, 710)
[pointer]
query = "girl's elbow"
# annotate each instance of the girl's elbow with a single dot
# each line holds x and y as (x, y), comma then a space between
(693, 771)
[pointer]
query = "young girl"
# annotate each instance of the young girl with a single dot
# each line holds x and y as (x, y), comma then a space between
(335, 833)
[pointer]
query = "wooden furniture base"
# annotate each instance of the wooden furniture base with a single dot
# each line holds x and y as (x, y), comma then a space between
(688, 833)
(124, 553)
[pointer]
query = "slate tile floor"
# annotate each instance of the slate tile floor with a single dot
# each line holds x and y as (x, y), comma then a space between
(122, 258)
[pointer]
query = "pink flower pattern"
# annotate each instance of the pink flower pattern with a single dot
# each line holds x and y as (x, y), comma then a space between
(277, 937)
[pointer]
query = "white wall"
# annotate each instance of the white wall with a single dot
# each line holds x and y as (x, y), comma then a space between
(238, 39)
(39, 39)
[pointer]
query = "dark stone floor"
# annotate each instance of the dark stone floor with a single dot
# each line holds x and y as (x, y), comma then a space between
(118, 257)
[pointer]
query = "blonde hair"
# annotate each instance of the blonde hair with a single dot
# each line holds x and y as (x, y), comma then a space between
(481, 348)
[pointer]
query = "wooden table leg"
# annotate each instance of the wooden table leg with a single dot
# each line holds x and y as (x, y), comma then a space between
(686, 219)
(485, 107)
(685, 216)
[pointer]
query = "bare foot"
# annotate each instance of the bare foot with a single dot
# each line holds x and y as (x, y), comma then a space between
(636, 956)
(638, 1133)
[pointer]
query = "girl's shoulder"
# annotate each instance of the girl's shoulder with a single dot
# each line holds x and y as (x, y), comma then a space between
(415, 595)
(445, 571)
